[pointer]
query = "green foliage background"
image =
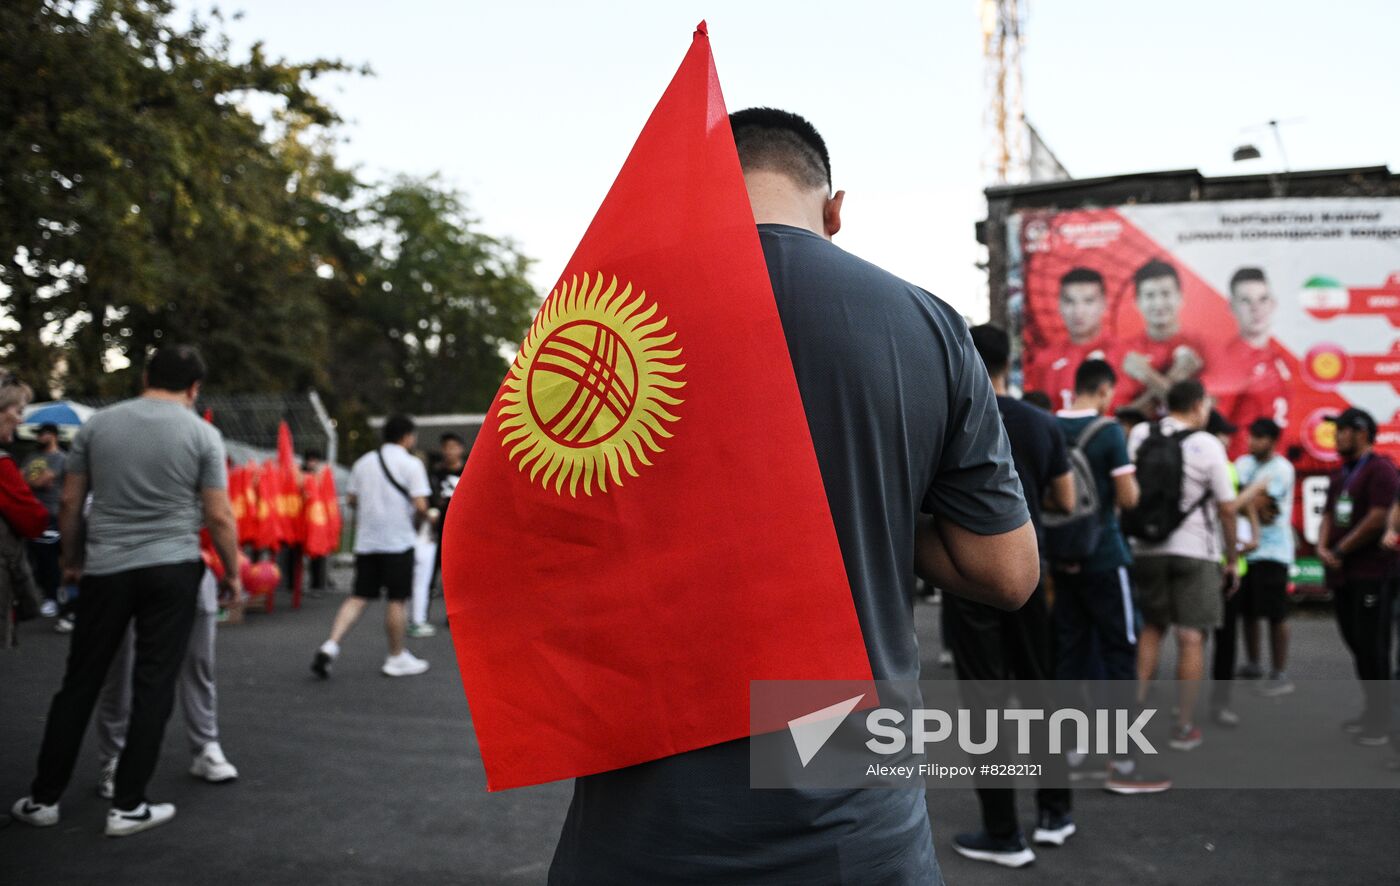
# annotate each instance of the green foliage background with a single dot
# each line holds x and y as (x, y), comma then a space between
(154, 189)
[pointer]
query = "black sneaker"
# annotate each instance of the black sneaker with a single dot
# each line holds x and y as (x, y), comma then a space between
(1125, 777)
(1010, 852)
(321, 664)
(1053, 829)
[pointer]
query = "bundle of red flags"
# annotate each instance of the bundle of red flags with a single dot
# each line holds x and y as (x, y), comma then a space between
(275, 504)
(641, 528)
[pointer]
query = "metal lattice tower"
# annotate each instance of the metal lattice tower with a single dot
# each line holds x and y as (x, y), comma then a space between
(1007, 152)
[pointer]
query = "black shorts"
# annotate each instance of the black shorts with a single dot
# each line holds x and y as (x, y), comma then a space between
(392, 573)
(1264, 591)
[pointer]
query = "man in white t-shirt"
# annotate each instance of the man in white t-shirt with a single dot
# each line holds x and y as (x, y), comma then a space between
(389, 492)
(1180, 579)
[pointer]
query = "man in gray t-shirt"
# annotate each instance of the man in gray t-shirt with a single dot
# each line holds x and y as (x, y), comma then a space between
(903, 420)
(156, 473)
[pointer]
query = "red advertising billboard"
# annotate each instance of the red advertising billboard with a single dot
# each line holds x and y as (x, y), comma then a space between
(1287, 309)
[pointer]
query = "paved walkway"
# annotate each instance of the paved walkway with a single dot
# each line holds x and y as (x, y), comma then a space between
(365, 779)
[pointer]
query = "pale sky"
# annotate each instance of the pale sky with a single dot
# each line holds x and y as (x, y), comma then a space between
(531, 107)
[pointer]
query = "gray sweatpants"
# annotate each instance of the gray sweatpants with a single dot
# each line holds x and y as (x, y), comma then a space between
(195, 689)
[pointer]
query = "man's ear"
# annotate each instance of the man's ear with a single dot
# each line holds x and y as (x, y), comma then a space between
(831, 214)
(193, 393)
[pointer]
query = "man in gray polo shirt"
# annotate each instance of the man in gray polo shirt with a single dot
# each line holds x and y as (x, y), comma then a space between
(156, 473)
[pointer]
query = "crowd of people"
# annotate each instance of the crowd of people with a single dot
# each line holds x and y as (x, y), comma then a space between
(129, 542)
(1148, 530)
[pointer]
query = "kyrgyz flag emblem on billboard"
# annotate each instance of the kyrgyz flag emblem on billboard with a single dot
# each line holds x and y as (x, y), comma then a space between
(641, 528)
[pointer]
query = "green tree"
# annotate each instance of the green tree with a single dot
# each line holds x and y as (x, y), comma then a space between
(141, 201)
(439, 304)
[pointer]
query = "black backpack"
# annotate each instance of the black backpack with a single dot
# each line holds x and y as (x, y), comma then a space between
(1160, 470)
(1073, 537)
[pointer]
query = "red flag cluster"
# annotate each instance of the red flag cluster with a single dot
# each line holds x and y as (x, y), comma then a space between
(276, 504)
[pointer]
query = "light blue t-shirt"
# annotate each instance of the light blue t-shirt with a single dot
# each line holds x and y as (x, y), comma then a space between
(1276, 538)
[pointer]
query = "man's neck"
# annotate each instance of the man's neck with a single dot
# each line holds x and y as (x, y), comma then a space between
(50, 449)
(453, 465)
(1185, 419)
(777, 201)
(1086, 339)
(999, 385)
(1256, 341)
(170, 396)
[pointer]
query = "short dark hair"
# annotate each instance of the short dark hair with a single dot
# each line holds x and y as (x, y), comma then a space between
(1083, 275)
(47, 427)
(1185, 395)
(1265, 427)
(398, 426)
(453, 437)
(1039, 399)
(994, 346)
(175, 368)
(1152, 270)
(313, 455)
(1130, 416)
(1245, 275)
(1092, 375)
(781, 141)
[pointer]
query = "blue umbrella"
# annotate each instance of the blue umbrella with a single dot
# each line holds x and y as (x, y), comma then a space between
(64, 413)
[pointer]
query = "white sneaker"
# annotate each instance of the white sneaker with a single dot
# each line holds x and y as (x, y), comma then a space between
(211, 765)
(144, 817)
(107, 781)
(48, 609)
(37, 814)
(405, 664)
(417, 631)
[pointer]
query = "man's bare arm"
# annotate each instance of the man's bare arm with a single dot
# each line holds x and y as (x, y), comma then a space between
(223, 528)
(1060, 495)
(1126, 490)
(1365, 532)
(1000, 570)
(70, 522)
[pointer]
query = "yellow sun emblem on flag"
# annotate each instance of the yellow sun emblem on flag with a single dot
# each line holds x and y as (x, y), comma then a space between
(590, 392)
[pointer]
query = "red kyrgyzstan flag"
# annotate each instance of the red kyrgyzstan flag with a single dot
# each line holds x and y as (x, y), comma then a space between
(641, 528)
(271, 527)
(289, 503)
(322, 514)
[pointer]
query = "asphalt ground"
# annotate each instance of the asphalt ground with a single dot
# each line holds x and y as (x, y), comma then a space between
(368, 779)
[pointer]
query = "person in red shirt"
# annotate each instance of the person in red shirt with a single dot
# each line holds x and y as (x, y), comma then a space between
(21, 513)
(1249, 376)
(1162, 354)
(1083, 305)
(18, 506)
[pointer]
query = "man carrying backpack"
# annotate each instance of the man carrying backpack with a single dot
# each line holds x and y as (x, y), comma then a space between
(1186, 507)
(1095, 629)
(1093, 601)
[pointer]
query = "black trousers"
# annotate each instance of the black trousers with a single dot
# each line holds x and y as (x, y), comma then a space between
(1095, 626)
(990, 649)
(1363, 609)
(1222, 669)
(318, 573)
(161, 600)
